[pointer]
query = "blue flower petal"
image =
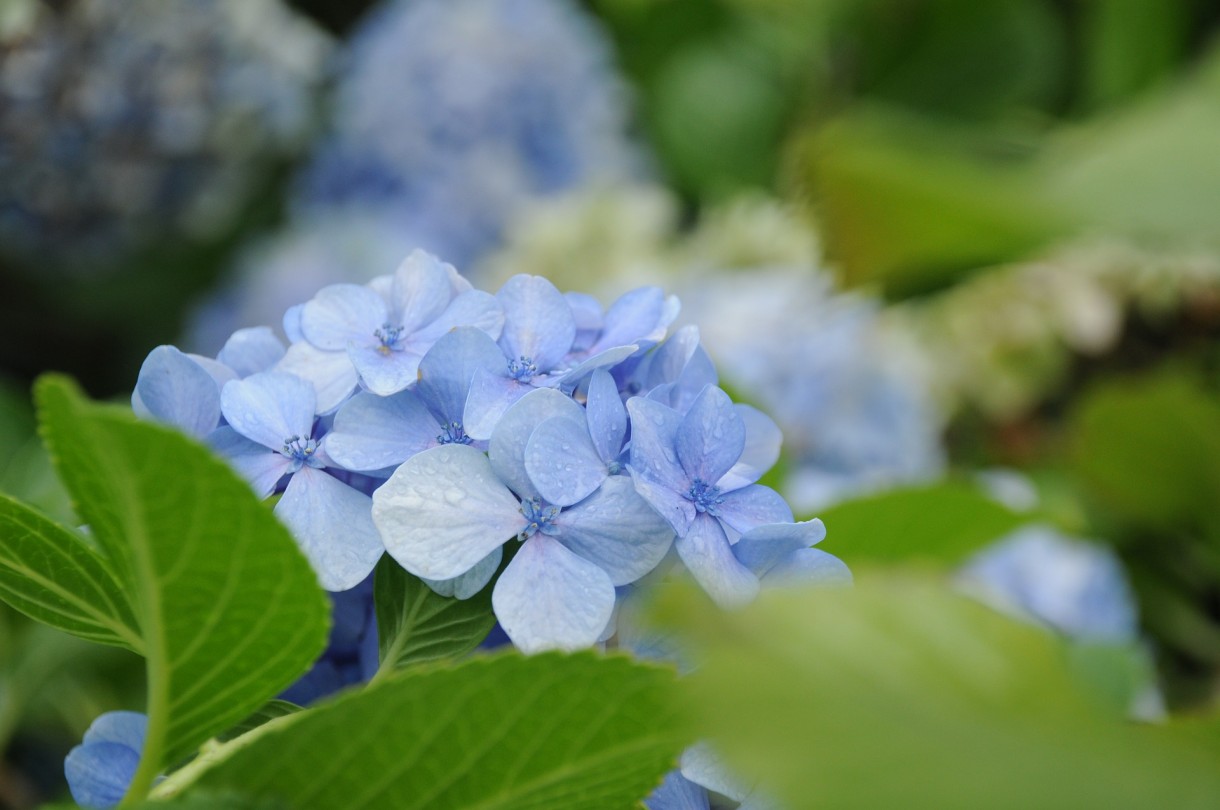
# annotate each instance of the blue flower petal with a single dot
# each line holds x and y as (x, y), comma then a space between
(341, 314)
(711, 437)
(538, 323)
(653, 455)
(372, 433)
(333, 525)
(677, 510)
(490, 396)
(761, 451)
(443, 511)
(249, 351)
(616, 529)
(562, 462)
(384, 372)
(604, 359)
(753, 506)
(474, 309)
(174, 389)
(607, 416)
(506, 451)
(446, 371)
(638, 315)
(706, 553)
(677, 793)
(122, 727)
(99, 773)
(762, 548)
(269, 407)
(331, 373)
(703, 766)
(808, 566)
(419, 292)
(551, 599)
(262, 467)
(471, 582)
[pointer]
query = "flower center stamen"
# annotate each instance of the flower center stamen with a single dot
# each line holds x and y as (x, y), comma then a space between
(522, 369)
(705, 496)
(538, 517)
(453, 433)
(300, 449)
(388, 338)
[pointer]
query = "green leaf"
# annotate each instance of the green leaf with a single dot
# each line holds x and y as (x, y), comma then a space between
(505, 732)
(942, 523)
(1150, 451)
(51, 574)
(1130, 45)
(271, 710)
(898, 693)
(228, 607)
(416, 624)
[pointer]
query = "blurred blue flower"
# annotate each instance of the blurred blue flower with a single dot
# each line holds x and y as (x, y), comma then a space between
(351, 654)
(454, 112)
(131, 121)
(101, 768)
(1074, 586)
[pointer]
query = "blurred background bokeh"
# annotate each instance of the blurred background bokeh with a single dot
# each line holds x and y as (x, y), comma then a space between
(963, 252)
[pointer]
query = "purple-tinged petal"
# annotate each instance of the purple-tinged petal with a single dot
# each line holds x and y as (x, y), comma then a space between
(616, 529)
(443, 511)
(677, 510)
(587, 313)
(249, 351)
(763, 440)
(711, 437)
(664, 364)
(762, 548)
(753, 506)
(333, 525)
(341, 314)
(678, 793)
(474, 309)
(808, 566)
(99, 773)
(331, 374)
(121, 727)
(706, 552)
(292, 323)
(419, 292)
(490, 396)
(468, 584)
(174, 389)
(637, 315)
(703, 766)
(446, 371)
(562, 462)
(551, 599)
(269, 407)
(372, 433)
(607, 416)
(538, 323)
(506, 452)
(384, 371)
(218, 371)
(262, 467)
(654, 428)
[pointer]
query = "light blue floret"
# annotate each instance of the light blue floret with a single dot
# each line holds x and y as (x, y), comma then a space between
(101, 768)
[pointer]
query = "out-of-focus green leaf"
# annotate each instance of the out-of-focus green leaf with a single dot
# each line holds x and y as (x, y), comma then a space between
(1148, 171)
(900, 208)
(228, 607)
(942, 523)
(415, 624)
(1129, 46)
(507, 732)
(270, 711)
(897, 693)
(1150, 451)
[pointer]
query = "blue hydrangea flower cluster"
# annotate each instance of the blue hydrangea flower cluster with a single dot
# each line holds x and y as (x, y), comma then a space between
(126, 121)
(455, 429)
(470, 106)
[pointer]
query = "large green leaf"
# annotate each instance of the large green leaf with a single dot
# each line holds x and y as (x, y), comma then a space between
(941, 523)
(229, 609)
(51, 574)
(493, 732)
(897, 693)
(416, 624)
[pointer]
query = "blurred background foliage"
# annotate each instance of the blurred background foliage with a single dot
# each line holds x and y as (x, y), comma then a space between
(1014, 202)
